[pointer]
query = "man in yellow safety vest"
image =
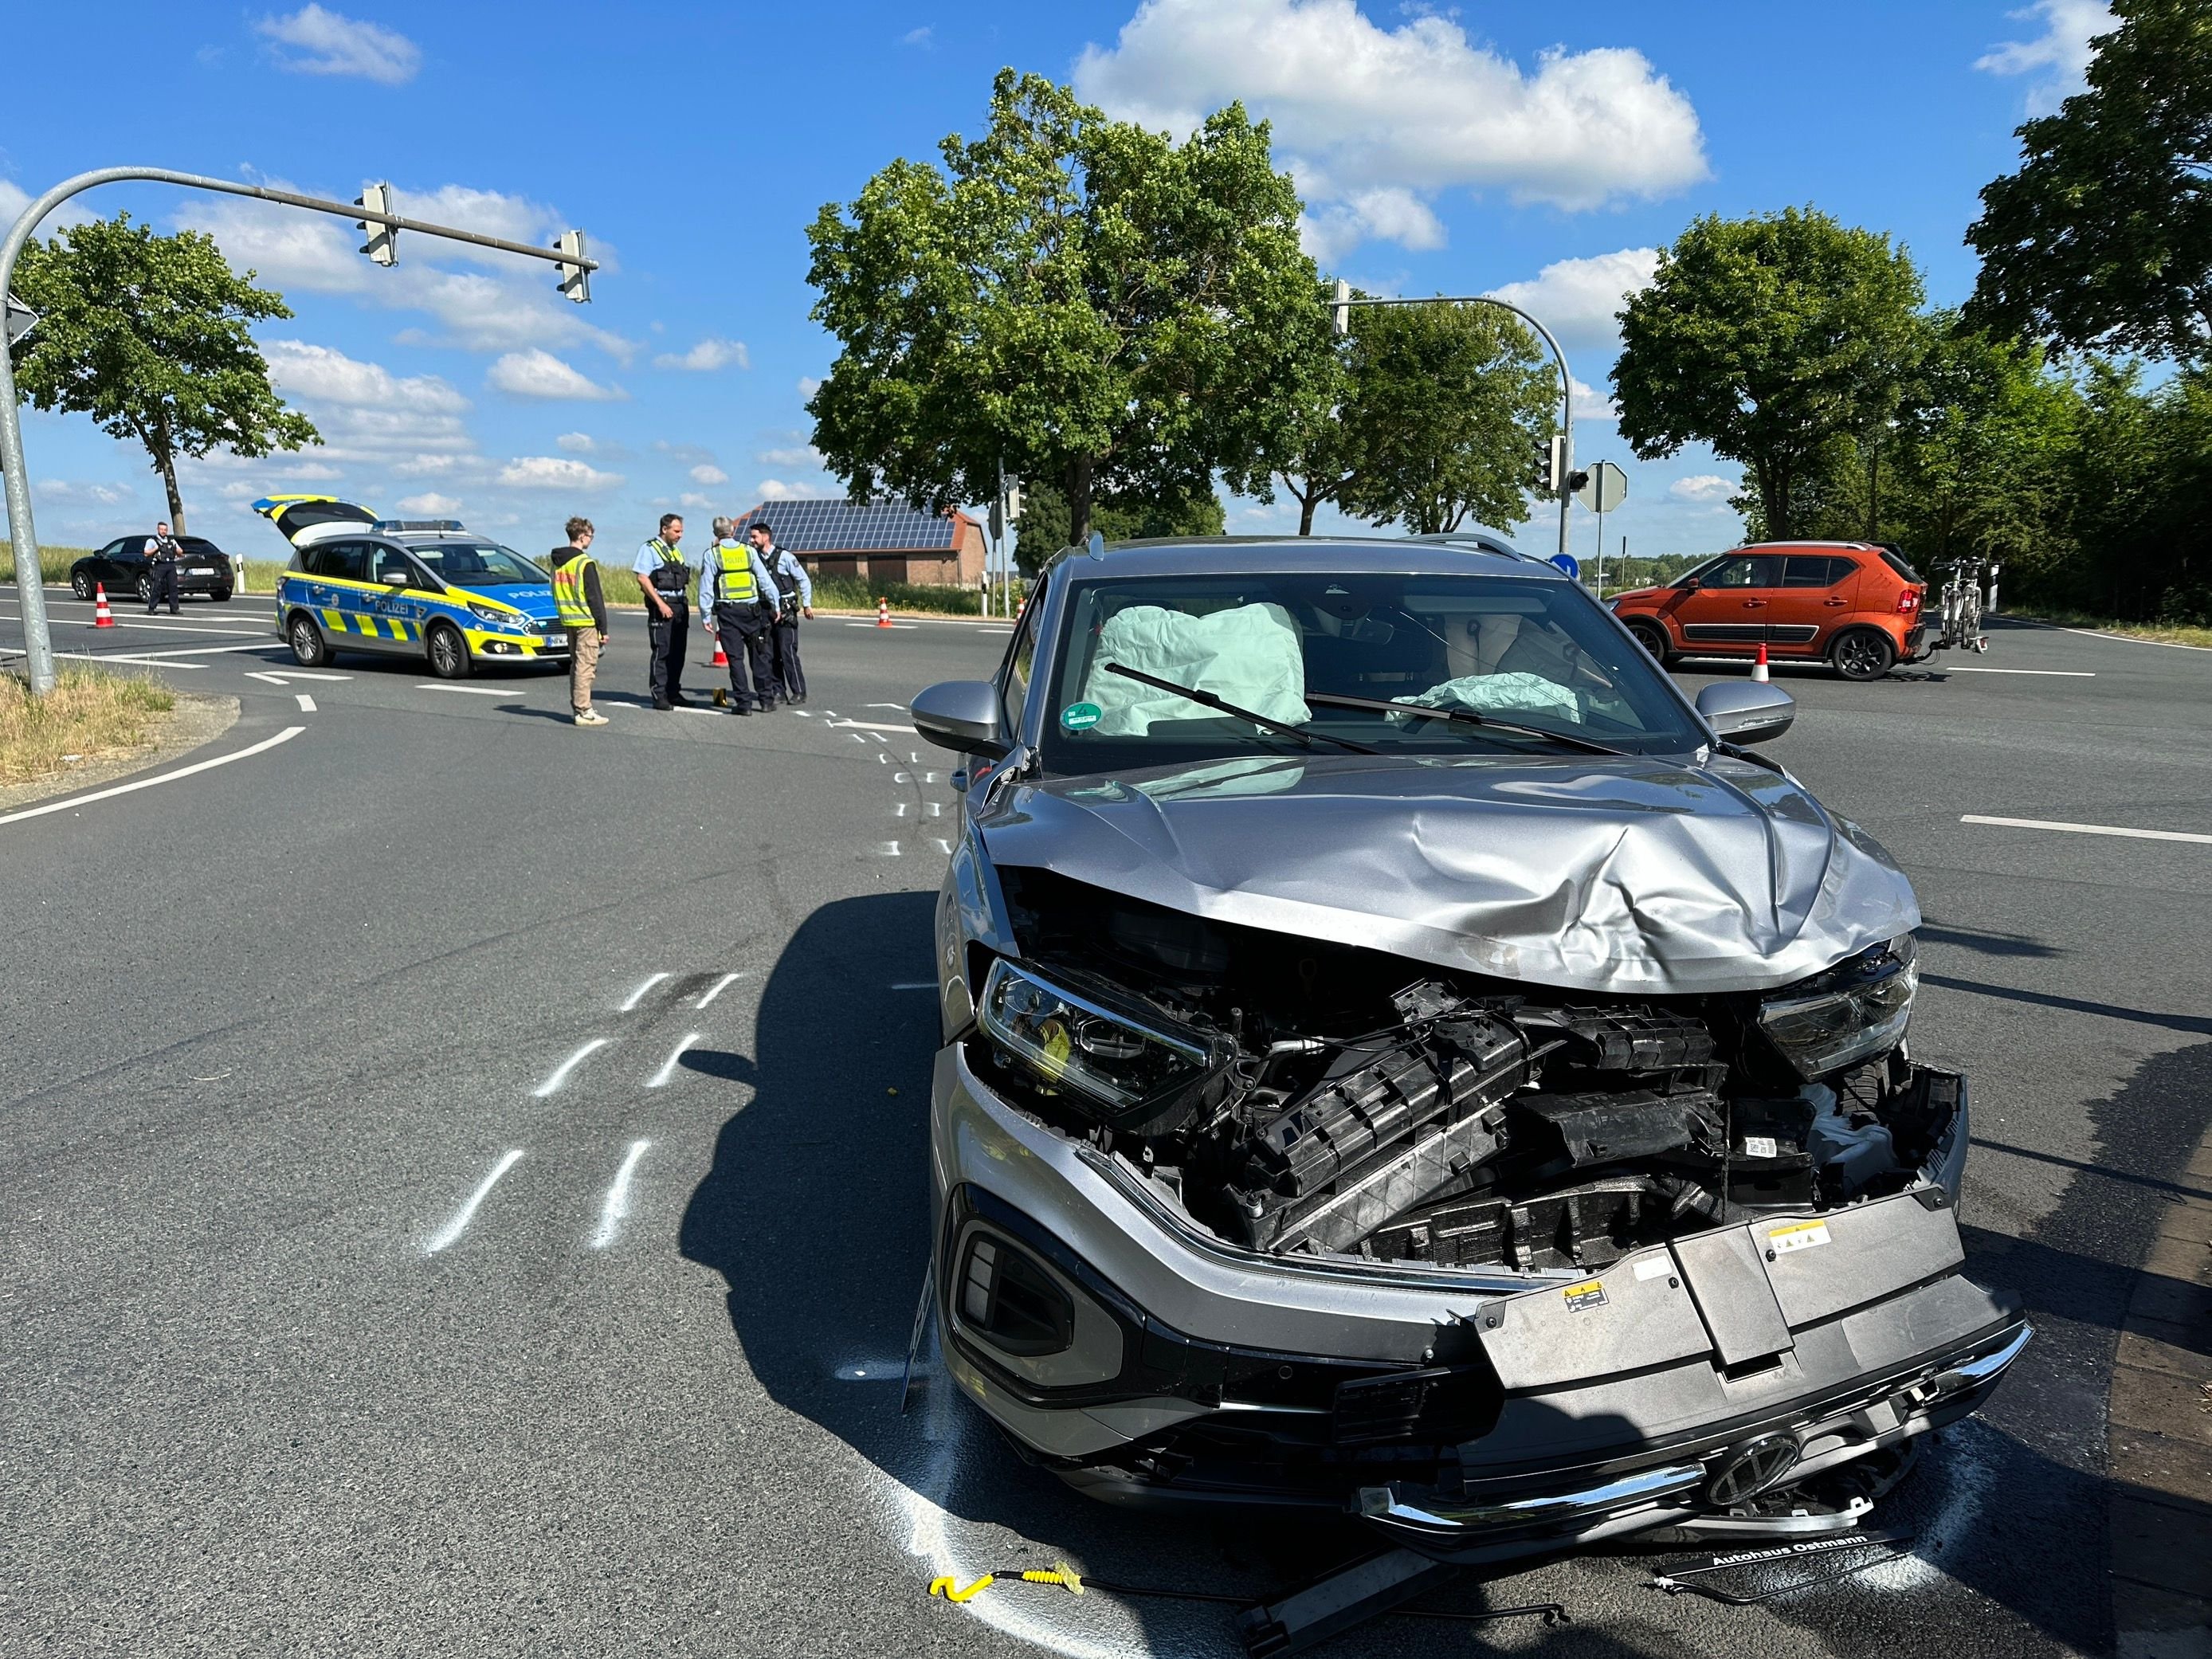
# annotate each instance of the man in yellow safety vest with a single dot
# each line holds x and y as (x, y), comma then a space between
(736, 602)
(583, 606)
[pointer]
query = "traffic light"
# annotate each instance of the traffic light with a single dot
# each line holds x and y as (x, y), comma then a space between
(1576, 481)
(383, 243)
(575, 280)
(1550, 464)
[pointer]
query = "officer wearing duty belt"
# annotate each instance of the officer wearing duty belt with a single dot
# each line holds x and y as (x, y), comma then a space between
(664, 576)
(737, 601)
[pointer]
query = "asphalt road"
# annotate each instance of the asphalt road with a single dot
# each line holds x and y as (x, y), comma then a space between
(461, 1184)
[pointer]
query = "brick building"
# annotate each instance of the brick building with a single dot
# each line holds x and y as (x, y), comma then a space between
(876, 541)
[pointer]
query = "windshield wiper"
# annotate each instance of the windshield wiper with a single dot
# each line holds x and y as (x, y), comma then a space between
(1464, 717)
(1208, 700)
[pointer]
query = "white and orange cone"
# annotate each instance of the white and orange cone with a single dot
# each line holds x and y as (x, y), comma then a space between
(102, 615)
(882, 613)
(1759, 674)
(721, 659)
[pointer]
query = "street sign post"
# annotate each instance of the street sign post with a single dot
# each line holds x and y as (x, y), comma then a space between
(21, 319)
(1605, 488)
(1568, 562)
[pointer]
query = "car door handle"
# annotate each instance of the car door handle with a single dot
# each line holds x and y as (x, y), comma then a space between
(1754, 605)
(1837, 603)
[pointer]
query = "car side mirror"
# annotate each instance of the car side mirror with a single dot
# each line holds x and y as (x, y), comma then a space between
(1687, 584)
(1745, 711)
(396, 579)
(963, 715)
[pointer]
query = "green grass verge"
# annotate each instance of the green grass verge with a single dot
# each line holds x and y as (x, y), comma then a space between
(88, 716)
(2164, 633)
(54, 562)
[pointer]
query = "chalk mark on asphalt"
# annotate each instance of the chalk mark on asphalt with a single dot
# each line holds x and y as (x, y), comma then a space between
(616, 1209)
(638, 995)
(718, 986)
(63, 805)
(561, 1072)
(2070, 829)
(660, 1078)
(452, 1231)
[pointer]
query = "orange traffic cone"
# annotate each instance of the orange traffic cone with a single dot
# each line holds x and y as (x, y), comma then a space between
(882, 613)
(720, 660)
(102, 615)
(1759, 674)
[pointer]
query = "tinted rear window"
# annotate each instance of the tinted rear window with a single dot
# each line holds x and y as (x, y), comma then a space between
(345, 562)
(1814, 570)
(1895, 561)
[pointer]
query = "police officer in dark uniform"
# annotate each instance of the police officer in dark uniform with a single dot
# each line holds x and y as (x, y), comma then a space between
(163, 557)
(794, 597)
(736, 602)
(664, 575)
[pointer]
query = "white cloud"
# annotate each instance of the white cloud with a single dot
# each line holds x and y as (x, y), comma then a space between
(1388, 214)
(808, 385)
(577, 443)
(14, 198)
(66, 492)
(709, 353)
(1359, 109)
(2059, 58)
(797, 455)
(776, 489)
(431, 504)
(539, 373)
(322, 374)
(411, 425)
(1705, 487)
(1578, 299)
(707, 473)
(919, 36)
(695, 502)
(556, 472)
(326, 43)
(1591, 403)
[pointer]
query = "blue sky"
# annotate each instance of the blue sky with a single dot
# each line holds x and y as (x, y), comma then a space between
(1469, 149)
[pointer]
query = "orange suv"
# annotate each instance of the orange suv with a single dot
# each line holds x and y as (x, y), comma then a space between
(1853, 604)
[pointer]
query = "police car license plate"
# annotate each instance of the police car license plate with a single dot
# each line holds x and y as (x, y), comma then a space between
(557, 639)
(202, 570)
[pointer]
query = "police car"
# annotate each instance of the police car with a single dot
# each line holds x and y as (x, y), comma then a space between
(425, 587)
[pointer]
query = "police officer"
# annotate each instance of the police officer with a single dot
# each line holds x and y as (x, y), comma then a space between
(736, 601)
(664, 575)
(162, 554)
(794, 597)
(583, 605)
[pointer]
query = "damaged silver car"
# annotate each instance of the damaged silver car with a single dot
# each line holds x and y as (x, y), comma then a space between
(1401, 1056)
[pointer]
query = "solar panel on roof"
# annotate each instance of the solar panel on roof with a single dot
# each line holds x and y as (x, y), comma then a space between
(818, 527)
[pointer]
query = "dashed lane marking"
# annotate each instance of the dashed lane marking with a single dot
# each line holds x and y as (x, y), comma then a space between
(2070, 829)
(638, 995)
(74, 801)
(450, 1232)
(616, 1209)
(306, 703)
(561, 1072)
(659, 1079)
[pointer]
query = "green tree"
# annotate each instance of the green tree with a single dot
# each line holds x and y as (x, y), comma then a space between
(2103, 238)
(149, 335)
(1313, 453)
(1095, 305)
(1046, 526)
(1768, 337)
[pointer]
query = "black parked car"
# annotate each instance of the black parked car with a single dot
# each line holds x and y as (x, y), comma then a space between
(121, 566)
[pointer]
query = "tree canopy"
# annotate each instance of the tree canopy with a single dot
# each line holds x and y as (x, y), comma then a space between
(149, 335)
(2103, 238)
(1766, 337)
(1095, 305)
(1046, 526)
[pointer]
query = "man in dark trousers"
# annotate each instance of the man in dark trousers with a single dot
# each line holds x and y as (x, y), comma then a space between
(794, 597)
(163, 557)
(662, 572)
(737, 601)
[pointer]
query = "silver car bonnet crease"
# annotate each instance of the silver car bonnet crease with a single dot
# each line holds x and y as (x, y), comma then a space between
(1639, 875)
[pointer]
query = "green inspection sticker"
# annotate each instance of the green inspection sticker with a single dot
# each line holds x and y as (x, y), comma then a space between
(1081, 716)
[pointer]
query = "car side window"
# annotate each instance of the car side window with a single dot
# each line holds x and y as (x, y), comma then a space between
(394, 567)
(345, 562)
(1745, 570)
(1810, 570)
(1021, 661)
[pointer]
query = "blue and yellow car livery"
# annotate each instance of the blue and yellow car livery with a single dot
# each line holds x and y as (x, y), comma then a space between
(430, 587)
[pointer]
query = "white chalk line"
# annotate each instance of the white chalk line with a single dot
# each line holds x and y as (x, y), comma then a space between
(561, 1072)
(285, 736)
(659, 1079)
(720, 985)
(638, 995)
(450, 1232)
(306, 703)
(616, 1209)
(2082, 829)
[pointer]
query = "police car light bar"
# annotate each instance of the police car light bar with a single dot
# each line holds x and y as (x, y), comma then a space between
(416, 524)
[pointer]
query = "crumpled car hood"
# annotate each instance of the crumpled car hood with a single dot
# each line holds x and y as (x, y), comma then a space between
(1633, 875)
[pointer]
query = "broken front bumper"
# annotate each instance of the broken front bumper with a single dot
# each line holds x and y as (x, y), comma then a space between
(1465, 1412)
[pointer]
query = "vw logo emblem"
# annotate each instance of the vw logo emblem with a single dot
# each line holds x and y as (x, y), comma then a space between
(1752, 1467)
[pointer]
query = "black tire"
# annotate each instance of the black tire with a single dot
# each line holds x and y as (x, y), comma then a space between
(309, 648)
(145, 591)
(221, 596)
(449, 652)
(1653, 638)
(1862, 653)
(81, 584)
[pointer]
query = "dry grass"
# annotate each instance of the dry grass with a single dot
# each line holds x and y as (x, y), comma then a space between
(88, 716)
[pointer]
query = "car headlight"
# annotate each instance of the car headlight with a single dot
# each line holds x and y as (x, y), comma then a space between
(1852, 1011)
(513, 621)
(1129, 1062)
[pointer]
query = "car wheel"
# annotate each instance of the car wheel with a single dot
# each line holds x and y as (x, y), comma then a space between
(309, 648)
(81, 584)
(449, 652)
(1862, 653)
(1653, 638)
(221, 596)
(146, 591)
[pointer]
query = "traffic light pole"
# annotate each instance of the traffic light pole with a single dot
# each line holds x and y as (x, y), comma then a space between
(30, 586)
(1345, 300)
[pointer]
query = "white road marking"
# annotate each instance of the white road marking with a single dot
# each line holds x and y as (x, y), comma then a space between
(888, 848)
(2129, 639)
(802, 713)
(174, 627)
(467, 690)
(286, 676)
(934, 809)
(102, 656)
(638, 995)
(306, 703)
(898, 809)
(899, 706)
(857, 738)
(285, 736)
(2071, 829)
(561, 1072)
(453, 1230)
(880, 625)
(613, 1212)
(882, 759)
(2048, 673)
(943, 847)
(660, 1079)
(718, 986)
(205, 650)
(916, 985)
